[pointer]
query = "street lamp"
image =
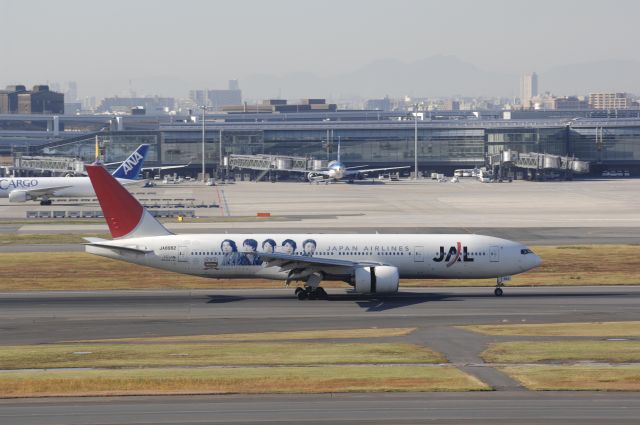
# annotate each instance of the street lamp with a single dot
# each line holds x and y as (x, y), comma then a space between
(204, 109)
(415, 141)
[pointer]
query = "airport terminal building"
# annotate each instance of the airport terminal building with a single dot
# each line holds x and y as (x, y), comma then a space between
(366, 137)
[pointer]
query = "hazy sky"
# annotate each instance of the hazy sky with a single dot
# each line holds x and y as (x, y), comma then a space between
(104, 44)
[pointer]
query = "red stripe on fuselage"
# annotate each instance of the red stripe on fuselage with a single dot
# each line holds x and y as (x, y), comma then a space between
(453, 260)
(121, 210)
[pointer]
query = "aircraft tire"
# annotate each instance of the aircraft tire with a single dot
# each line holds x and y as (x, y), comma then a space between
(498, 292)
(302, 295)
(321, 293)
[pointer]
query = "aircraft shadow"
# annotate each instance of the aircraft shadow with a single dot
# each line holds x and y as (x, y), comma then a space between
(379, 302)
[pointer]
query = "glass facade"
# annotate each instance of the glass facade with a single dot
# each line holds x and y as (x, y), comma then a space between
(117, 146)
(524, 140)
(379, 143)
(606, 144)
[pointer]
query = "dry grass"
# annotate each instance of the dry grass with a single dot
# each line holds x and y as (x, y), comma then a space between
(562, 351)
(329, 379)
(577, 378)
(38, 239)
(575, 265)
(595, 329)
(272, 336)
(206, 354)
(81, 271)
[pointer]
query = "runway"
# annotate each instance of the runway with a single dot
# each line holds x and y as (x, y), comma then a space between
(441, 408)
(41, 317)
(45, 317)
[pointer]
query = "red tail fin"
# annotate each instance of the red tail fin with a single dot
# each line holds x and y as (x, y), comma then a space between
(123, 213)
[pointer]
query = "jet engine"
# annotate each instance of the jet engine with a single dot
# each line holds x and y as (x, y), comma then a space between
(378, 279)
(19, 196)
(312, 177)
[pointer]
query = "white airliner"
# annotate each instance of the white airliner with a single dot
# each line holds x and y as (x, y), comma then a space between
(336, 170)
(371, 263)
(22, 189)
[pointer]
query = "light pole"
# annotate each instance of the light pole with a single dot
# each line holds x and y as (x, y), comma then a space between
(415, 141)
(204, 108)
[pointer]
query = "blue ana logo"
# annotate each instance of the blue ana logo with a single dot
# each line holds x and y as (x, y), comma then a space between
(131, 162)
(6, 184)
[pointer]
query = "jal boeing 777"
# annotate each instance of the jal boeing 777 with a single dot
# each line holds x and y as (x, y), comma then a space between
(372, 263)
(22, 189)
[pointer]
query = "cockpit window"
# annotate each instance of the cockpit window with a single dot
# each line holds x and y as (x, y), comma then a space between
(526, 251)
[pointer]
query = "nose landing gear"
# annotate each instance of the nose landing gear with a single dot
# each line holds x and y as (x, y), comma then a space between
(499, 284)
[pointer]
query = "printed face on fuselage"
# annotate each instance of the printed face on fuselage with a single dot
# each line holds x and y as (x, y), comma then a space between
(288, 248)
(309, 247)
(268, 246)
(226, 247)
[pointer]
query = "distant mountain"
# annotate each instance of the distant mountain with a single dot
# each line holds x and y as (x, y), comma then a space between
(445, 76)
(439, 75)
(434, 76)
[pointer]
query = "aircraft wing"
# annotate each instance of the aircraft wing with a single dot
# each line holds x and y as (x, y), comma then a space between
(299, 262)
(356, 167)
(371, 170)
(165, 167)
(36, 193)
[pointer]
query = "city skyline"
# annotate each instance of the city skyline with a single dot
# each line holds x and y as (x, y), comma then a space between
(158, 48)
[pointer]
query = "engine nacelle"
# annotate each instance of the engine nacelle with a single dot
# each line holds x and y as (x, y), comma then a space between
(378, 279)
(312, 177)
(19, 196)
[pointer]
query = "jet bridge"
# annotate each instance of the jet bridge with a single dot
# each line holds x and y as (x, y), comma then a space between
(536, 165)
(52, 164)
(274, 163)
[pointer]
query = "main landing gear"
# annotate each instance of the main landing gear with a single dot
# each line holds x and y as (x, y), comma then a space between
(46, 202)
(311, 293)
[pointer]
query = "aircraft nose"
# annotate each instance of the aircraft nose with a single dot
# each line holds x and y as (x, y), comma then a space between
(536, 261)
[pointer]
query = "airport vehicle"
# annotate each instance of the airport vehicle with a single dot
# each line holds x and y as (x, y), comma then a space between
(22, 189)
(336, 170)
(372, 263)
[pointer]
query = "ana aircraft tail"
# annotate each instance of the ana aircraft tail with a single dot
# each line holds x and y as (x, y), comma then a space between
(130, 167)
(124, 214)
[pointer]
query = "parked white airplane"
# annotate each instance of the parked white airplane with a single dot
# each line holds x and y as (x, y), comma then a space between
(369, 263)
(336, 170)
(22, 189)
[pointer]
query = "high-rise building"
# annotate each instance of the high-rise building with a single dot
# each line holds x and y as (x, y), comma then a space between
(9, 99)
(71, 95)
(217, 99)
(570, 102)
(383, 104)
(40, 100)
(528, 88)
(609, 101)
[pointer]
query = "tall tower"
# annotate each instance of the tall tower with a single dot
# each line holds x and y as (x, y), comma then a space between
(528, 88)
